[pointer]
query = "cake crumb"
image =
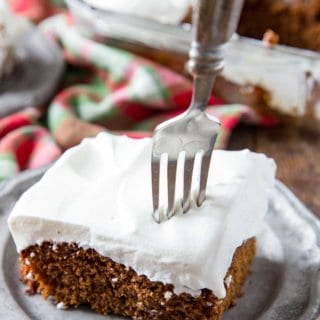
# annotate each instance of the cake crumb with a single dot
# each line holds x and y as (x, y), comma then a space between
(167, 295)
(209, 304)
(32, 255)
(27, 262)
(228, 281)
(54, 247)
(114, 279)
(270, 38)
(61, 306)
(29, 276)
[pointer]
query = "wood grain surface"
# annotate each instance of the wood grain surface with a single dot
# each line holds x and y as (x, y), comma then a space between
(296, 150)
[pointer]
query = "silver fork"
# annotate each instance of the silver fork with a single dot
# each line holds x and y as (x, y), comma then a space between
(214, 22)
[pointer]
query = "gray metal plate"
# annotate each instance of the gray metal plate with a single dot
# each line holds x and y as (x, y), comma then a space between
(36, 76)
(284, 284)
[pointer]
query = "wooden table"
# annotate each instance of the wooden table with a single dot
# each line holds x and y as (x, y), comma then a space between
(296, 149)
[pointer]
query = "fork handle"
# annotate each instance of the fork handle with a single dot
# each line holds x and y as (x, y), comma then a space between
(214, 22)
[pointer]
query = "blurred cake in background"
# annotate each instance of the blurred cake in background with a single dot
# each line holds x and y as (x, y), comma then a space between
(275, 80)
(11, 30)
(297, 22)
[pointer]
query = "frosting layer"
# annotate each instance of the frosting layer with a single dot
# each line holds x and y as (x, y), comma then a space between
(98, 194)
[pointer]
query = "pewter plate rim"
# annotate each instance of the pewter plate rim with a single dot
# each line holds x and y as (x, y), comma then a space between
(13, 308)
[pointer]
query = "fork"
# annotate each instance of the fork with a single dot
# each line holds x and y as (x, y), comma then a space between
(193, 134)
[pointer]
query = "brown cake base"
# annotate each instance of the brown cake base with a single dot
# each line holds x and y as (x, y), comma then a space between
(74, 276)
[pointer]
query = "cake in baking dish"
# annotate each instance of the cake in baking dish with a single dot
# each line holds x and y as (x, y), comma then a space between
(85, 233)
(297, 22)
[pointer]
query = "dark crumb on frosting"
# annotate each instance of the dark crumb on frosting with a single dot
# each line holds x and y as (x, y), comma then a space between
(74, 276)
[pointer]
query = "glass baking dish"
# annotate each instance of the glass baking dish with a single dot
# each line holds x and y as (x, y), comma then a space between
(282, 79)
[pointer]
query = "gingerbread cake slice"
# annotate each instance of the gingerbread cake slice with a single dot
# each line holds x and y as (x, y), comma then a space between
(85, 233)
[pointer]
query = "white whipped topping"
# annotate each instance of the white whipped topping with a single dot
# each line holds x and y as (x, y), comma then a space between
(165, 11)
(98, 194)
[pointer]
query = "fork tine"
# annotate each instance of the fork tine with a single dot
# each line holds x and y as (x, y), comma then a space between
(155, 172)
(172, 171)
(187, 180)
(205, 164)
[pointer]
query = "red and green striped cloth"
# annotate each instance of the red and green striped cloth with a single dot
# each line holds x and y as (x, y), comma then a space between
(36, 10)
(104, 88)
